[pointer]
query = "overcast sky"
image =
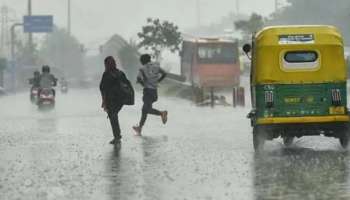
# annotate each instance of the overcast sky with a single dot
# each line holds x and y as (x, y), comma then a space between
(94, 21)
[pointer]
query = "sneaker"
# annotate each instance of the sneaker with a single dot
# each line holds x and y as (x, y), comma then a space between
(164, 116)
(137, 130)
(113, 141)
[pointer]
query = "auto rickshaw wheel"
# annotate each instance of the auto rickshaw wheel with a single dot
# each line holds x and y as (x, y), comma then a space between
(288, 141)
(344, 140)
(259, 138)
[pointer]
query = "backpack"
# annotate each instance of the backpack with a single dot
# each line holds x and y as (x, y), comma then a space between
(125, 89)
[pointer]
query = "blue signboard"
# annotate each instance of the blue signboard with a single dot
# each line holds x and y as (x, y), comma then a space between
(38, 23)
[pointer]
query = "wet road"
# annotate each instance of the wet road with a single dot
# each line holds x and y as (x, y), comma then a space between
(201, 153)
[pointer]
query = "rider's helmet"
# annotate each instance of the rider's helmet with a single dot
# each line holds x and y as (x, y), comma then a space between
(45, 69)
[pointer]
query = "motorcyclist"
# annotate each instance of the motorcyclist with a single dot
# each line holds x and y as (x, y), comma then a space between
(47, 80)
(35, 81)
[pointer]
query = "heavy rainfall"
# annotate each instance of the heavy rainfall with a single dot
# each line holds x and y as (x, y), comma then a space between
(178, 100)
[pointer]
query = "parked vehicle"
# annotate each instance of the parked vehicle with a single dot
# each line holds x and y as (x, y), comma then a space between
(298, 84)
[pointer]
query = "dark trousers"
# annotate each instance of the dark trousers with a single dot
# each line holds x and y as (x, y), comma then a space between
(149, 97)
(113, 118)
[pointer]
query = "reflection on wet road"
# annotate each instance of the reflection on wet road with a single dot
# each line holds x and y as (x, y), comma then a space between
(302, 173)
(202, 153)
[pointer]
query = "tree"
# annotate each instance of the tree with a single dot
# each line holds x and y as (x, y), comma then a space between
(63, 52)
(157, 36)
(125, 52)
(25, 54)
(129, 58)
(250, 26)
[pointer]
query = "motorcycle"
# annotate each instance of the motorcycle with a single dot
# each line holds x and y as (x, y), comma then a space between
(34, 94)
(46, 98)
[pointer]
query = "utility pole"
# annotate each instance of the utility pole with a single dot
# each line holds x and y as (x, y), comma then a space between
(237, 7)
(4, 30)
(30, 35)
(69, 17)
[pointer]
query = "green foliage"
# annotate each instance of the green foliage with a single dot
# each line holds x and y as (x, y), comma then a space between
(250, 26)
(157, 36)
(63, 52)
(126, 54)
(26, 55)
(129, 58)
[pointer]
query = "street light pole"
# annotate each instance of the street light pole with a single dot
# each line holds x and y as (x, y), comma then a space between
(30, 35)
(69, 17)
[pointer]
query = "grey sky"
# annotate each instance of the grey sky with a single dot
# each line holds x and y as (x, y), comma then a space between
(94, 21)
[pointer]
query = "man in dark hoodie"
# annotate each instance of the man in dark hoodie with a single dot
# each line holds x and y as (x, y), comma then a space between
(110, 92)
(149, 76)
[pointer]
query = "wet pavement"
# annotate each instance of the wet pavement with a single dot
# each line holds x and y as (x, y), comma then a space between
(202, 153)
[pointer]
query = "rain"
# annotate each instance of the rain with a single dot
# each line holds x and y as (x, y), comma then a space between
(253, 104)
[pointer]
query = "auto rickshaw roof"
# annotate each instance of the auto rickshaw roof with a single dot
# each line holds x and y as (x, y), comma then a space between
(322, 34)
(209, 40)
(272, 42)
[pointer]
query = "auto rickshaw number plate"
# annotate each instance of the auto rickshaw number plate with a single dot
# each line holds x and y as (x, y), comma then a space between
(296, 39)
(292, 100)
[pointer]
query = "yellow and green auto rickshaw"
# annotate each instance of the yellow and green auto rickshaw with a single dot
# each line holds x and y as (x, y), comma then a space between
(298, 84)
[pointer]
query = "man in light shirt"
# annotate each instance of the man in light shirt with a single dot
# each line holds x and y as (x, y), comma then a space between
(149, 76)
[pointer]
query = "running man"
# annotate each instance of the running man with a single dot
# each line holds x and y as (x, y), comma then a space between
(149, 76)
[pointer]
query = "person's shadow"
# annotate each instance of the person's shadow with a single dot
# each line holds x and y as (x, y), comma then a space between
(114, 173)
(128, 171)
(301, 173)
